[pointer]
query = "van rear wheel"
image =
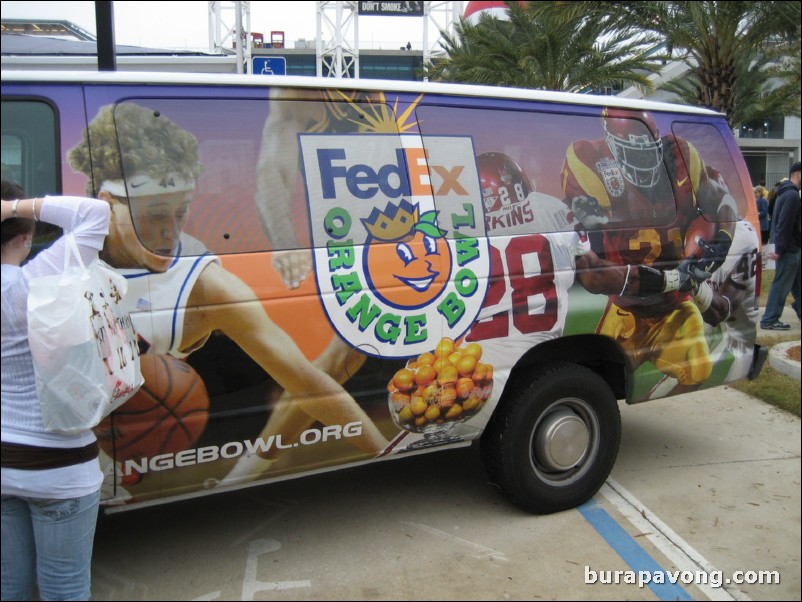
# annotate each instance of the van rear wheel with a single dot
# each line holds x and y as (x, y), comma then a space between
(553, 439)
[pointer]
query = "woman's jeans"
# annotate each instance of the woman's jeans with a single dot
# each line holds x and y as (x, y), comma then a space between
(48, 542)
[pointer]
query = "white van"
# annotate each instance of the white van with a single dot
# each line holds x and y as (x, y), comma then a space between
(326, 273)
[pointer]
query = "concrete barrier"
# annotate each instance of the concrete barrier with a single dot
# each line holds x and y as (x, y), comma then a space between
(784, 357)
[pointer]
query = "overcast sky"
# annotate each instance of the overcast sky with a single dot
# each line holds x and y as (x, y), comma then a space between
(185, 24)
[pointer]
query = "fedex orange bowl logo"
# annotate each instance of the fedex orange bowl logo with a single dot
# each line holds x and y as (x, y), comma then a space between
(401, 257)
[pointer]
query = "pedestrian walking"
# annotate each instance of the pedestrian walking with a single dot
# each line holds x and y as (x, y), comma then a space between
(786, 232)
(762, 213)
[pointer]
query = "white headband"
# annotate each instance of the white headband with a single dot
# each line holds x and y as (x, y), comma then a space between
(147, 186)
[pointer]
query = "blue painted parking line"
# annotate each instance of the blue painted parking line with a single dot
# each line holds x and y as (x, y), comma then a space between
(630, 551)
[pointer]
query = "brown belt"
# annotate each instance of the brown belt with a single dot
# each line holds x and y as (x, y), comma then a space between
(31, 457)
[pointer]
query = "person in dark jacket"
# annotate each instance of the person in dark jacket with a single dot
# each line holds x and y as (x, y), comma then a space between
(762, 213)
(786, 232)
(772, 196)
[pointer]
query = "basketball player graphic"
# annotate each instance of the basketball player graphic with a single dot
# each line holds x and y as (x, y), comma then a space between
(170, 273)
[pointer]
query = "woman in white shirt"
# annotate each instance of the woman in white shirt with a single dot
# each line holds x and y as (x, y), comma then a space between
(50, 482)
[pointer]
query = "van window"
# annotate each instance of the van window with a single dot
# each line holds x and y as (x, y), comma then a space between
(12, 157)
(30, 143)
(250, 196)
(717, 163)
(536, 151)
(30, 156)
(218, 138)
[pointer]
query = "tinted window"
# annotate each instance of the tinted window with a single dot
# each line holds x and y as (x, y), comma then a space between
(532, 164)
(29, 146)
(29, 155)
(251, 195)
(706, 154)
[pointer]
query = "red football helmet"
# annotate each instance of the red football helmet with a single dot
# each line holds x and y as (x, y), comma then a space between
(502, 180)
(635, 142)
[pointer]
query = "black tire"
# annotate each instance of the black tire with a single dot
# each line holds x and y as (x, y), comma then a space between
(553, 439)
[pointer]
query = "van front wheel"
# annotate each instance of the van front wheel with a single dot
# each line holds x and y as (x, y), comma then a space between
(553, 439)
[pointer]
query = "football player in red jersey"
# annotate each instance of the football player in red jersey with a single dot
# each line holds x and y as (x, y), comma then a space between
(638, 192)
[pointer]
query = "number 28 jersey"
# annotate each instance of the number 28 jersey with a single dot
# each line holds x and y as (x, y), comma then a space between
(530, 276)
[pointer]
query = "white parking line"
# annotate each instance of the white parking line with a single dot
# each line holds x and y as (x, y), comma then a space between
(676, 549)
(479, 551)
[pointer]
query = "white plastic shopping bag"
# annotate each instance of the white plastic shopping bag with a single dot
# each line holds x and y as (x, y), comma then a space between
(84, 347)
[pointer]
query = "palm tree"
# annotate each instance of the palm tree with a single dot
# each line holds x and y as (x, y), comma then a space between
(545, 50)
(788, 71)
(758, 95)
(724, 43)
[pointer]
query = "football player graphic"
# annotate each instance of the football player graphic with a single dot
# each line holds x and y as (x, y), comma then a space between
(155, 201)
(650, 188)
(726, 301)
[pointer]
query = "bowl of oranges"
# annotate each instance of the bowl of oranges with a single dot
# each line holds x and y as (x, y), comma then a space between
(440, 388)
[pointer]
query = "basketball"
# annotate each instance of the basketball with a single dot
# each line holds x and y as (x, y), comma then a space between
(167, 415)
(699, 228)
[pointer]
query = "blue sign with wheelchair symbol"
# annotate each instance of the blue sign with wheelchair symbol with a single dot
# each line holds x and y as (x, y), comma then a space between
(273, 65)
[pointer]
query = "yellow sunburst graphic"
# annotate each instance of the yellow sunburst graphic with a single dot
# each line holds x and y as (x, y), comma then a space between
(377, 117)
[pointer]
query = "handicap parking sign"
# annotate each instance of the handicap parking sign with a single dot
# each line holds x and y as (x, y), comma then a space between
(273, 65)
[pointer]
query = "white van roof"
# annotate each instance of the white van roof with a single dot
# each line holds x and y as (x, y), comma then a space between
(160, 78)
